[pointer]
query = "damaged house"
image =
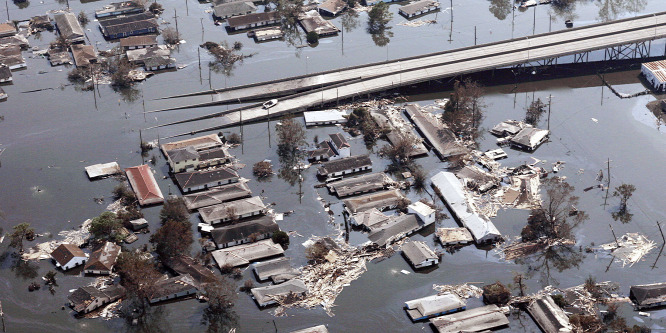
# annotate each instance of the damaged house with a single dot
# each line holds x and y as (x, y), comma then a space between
(202, 180)
(335, 148)
(68, 26)
(419, 254)
(244, 232)
(232, 210)
(277, 270)
(102, 260)
(87, 299)
(529, 138)
(244, 254)
(549, 316)
(265, 296)
(379, 200)
(480, 319)
(648, 295)
(362, 184)
(217, 195)
(67, 256)
(175, 287)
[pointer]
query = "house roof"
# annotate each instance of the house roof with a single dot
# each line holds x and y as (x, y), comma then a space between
(313, 329)
(246, 253)
(657, 68)
(213, 153)
(68, 25)
(453, 194)
(200, 178)
(379, 200)
(439, 135)
(217, 195)
(103, 258)
(100, 170)
(66, 252)
(324, 150)
(144, 40)
(339, 141)
(242, 230)
(418, 252)
(507, 127)
(243, 20)
(432, 305)
(233, 9)
(125, 6)
(173, 285)
(371, 218)
(159, 61)
(144, 185)
(365, 183)
(646, 294)
(474, 320)
(312, 21)
(237, 207)
(265, 294)
(421, 208)
(186, 265)
(347, 163)
(530, 136)
(395, 229)
(83, 296)
(199, 142)
(7, 29)
(183, 154)
(83, 54)
(418, 6)
(138, 55)
(275, 267)
(128, 23)
(549, 316)
(18, 40)
(333, 6)
(325, 116)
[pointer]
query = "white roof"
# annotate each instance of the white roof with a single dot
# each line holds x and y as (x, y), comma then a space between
(434, 304)
(452, 191)
(243, 254)
(325, 116)
(106, 169)
(421, 208)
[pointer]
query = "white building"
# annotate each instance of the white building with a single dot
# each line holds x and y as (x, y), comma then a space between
(655, 73)
(423, 211)
(67, 256)
(340, 146)
(326, 117)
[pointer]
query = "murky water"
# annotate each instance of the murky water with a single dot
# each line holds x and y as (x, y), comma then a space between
(50, 135)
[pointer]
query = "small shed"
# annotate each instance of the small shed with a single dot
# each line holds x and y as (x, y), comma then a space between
(655, 73)
(419, 254)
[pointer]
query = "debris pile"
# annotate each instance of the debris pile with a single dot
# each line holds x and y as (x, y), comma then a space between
(43, 250)
(464, 290)
(629, 248)
(513, 250)
(417, 23)
(325, 280)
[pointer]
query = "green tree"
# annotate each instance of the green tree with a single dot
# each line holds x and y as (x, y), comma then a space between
(312, 37)
(124, 194)
(496, 293)
(138, 275)
(624, 191)
(174, 209)
(281, 237)
(378, 17)
(21, 232)
(218, 315)
(172, 239)
(105, 226)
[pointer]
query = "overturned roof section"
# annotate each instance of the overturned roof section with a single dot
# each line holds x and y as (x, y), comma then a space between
(244, 254)
(453, 194)
(474, 320)
(550, 317)
(144, 185)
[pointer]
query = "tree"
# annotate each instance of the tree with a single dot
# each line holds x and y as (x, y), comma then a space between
(262, 169)
(174, 209)
(130, 213)
(519, 284)
(316, 252)
(557, 215)
(234, 139)
(624, 191)
(105, 226)
(170, 36)
(138, 275)
(378, 17)
(218, 315)
(172, 239)
(291, 140)
(464, 111)
(400, 152)
(22, 231)
(83, 18)
(496, 293)
(361, 121)
(534, 112)
(155, 8)
(124, 194)
(312, 37)
(280, 237)
(50, 278)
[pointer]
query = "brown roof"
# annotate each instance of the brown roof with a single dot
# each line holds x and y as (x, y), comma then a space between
(7, 29)
(339, 140)
(144, 185)
(658, 68)
(139, 40)
(252, 18)
(65, 252)
(333, 6)
(83, 54)
(104, 258)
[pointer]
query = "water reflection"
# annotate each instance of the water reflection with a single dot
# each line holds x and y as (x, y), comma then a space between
(564, 9)
(220, 321)
(610, 10)
(128, 94)
(155, 319)
(555, 258)
(500, 8)
(24, 269)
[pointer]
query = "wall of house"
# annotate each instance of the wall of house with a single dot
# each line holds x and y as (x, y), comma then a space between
(244, 241)
(76, 261)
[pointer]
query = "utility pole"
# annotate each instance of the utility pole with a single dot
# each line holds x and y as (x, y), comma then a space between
(175, 16)
(451, 29)
(475, 35)
(608, 183)
(202, 30)
(199, 56)
(187, 9)
(7, 7)
(550, 98)
(534, 22)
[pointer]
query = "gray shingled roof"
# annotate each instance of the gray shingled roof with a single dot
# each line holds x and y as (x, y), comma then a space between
(238, 207)
(233, 9)
(347, 163)
(183, 154)
(217, 195)
(69, 26)
(417, 252)
(241, 230)
(200, 178)
(265, 294)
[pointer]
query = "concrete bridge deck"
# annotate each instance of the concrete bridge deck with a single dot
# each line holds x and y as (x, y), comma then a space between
(449, 64)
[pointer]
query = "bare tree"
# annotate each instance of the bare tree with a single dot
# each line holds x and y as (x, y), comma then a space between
(624, 191)
(170, 36)
(464, 111)
(22, 231)
(400, 152)
(534, 112)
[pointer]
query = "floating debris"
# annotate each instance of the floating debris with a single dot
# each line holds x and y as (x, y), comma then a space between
(43, 250)
(417, 23)
(465, 290)
(629, 248)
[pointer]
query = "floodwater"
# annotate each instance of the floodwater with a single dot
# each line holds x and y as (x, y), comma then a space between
(50, 135)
